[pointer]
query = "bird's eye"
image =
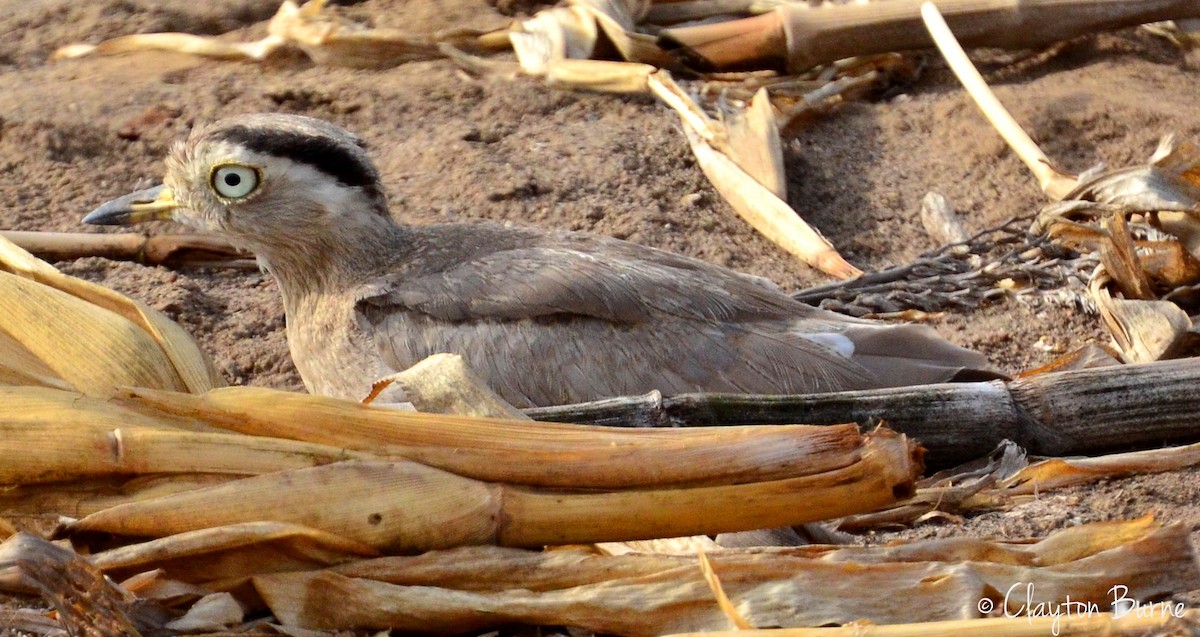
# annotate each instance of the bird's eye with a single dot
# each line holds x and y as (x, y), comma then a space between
(233, 181)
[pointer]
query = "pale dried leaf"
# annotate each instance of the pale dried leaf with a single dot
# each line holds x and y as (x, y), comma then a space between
(645, 594)
(755, 145)
(768, 214)
(1055, 473)
(214, 612)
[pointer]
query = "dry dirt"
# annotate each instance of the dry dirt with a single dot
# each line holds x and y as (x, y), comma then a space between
(450, 147)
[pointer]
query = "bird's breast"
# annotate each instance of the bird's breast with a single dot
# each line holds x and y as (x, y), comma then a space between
(331, 353)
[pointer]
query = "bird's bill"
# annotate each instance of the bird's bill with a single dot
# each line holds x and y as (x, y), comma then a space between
(144, 205)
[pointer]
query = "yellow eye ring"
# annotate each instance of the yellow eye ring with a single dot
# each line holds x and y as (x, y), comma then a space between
(234, 181)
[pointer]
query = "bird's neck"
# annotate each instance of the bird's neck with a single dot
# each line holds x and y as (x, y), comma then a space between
(332, 261)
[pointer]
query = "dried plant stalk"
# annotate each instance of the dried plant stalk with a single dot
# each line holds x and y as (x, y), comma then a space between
(550, 518)
(165, 250)
(76, 447)
(664, 13)
(1059, 413)
(405, 506)
(569, 456)
(797, 38)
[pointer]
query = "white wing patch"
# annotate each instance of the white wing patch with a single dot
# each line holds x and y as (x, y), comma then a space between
(834, 341)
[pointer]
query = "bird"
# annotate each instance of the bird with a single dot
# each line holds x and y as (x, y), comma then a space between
(544, 317)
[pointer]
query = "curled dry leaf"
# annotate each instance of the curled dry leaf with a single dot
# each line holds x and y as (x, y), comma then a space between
(210, 613)
(1184, 34)
(1143, 331)
(445, 384)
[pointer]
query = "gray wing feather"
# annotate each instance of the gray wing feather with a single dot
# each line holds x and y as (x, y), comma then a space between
(541, 281)
(596, 327)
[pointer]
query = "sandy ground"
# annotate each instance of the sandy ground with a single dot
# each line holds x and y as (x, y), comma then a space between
(75, 133)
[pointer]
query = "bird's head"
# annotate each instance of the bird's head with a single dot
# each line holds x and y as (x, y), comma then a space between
(266, 182)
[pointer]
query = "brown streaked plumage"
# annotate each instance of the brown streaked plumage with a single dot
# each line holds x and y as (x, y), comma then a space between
(545, 318)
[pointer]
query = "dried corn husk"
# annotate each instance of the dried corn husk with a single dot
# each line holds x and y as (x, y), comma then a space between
(769, 214)
(222, 557)
(473, 589)
(322, 36)
(88, 346)
(554, 34)
(48, 502)
(445, 384)
(1164, 621)
(1168, 186)
(99, 338)
(396, 506)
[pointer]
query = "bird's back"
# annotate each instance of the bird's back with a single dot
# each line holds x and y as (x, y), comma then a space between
(569, 317)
